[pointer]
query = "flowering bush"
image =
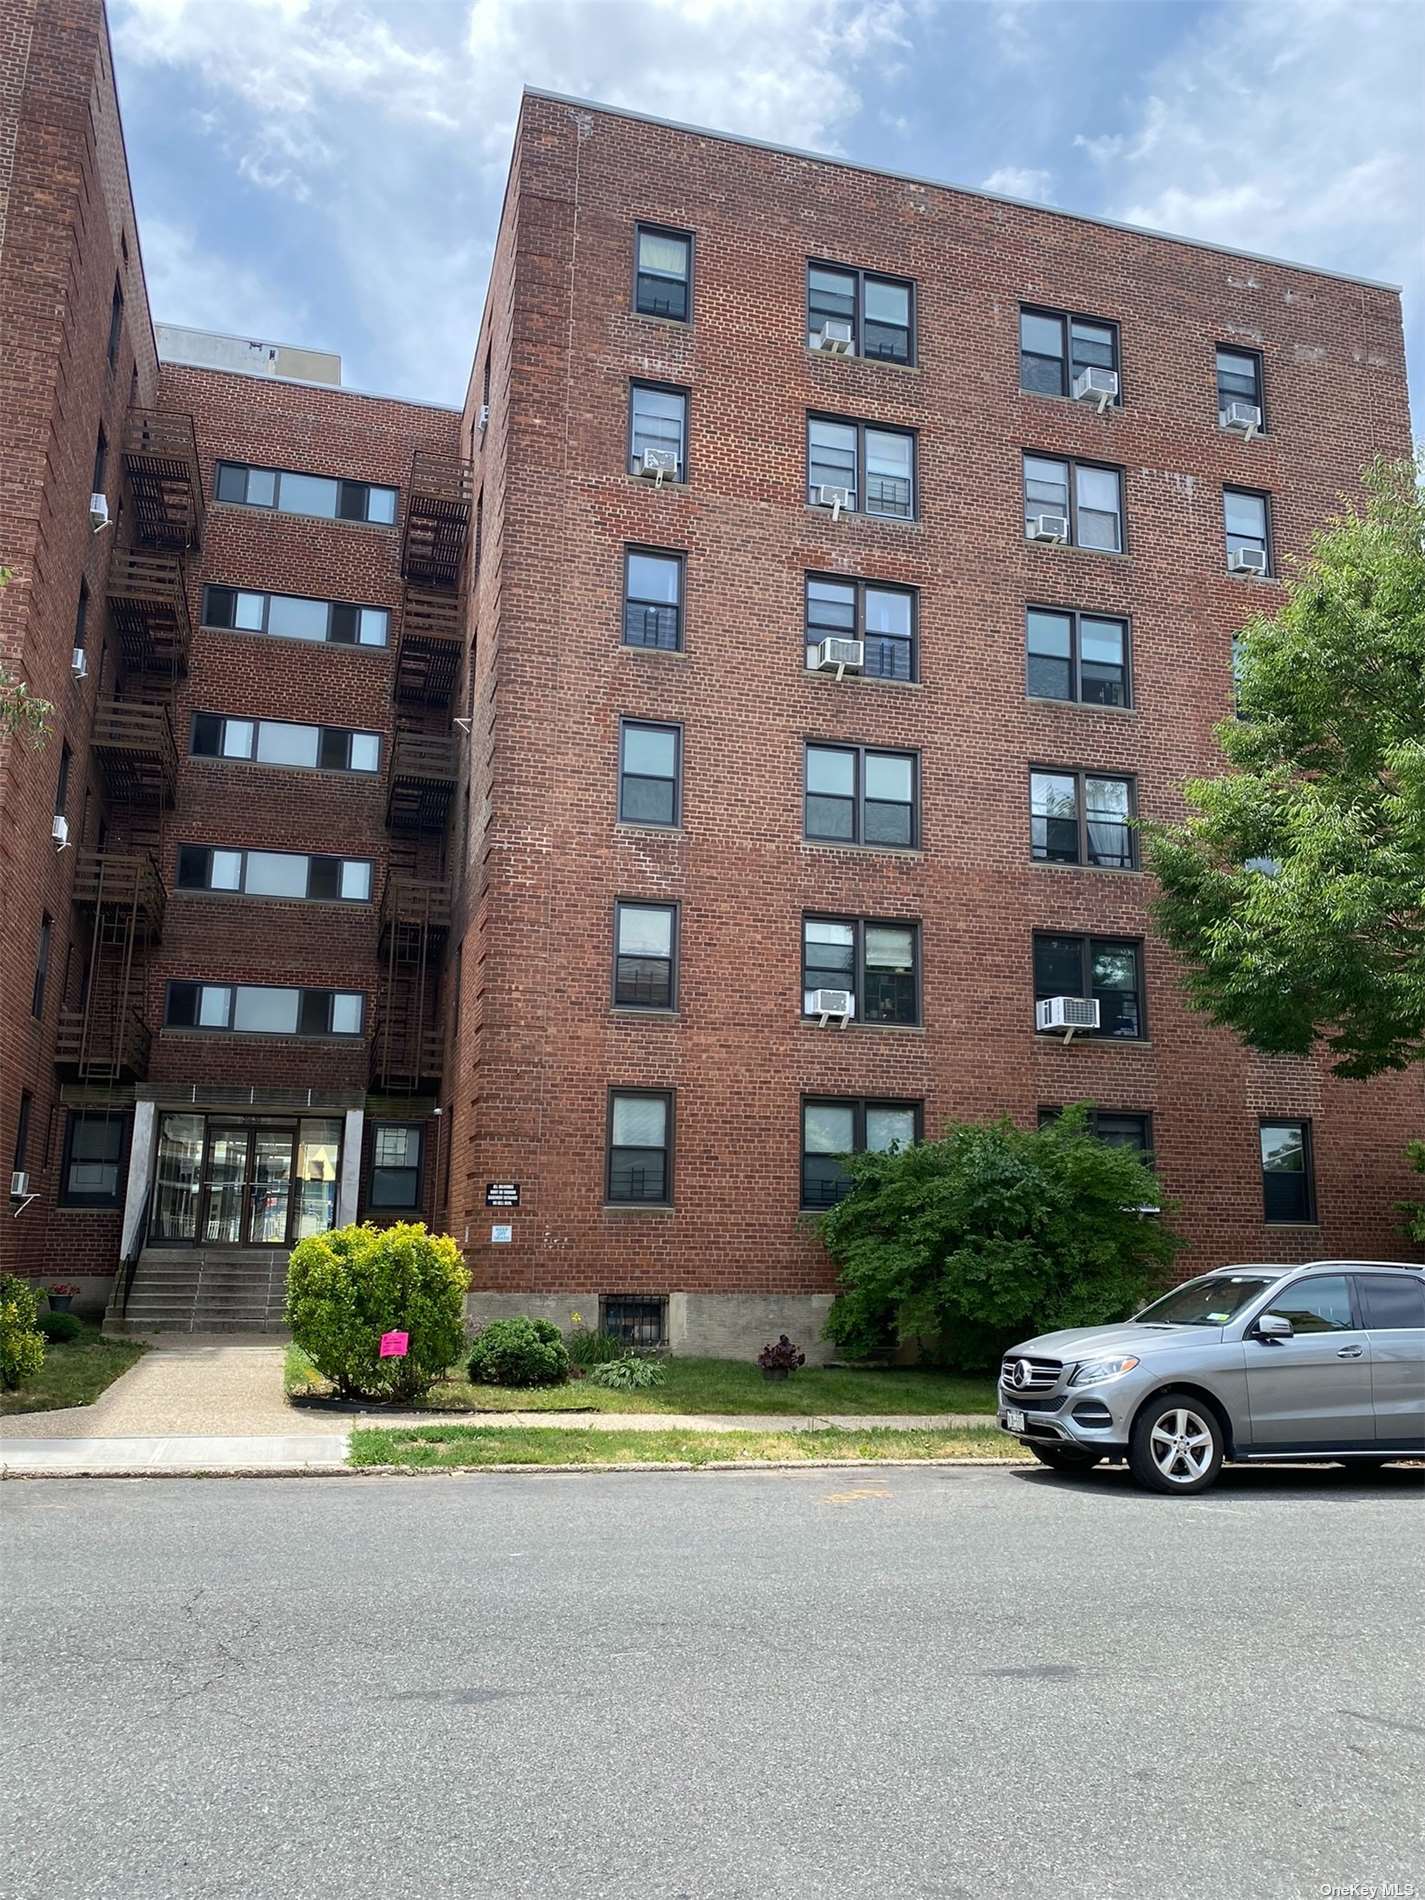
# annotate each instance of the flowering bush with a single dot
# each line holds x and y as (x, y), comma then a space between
(783, 1357)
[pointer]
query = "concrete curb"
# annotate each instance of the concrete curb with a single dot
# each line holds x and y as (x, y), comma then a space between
(130, 1473)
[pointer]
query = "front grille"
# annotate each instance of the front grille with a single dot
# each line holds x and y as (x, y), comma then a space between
(1043, 1375)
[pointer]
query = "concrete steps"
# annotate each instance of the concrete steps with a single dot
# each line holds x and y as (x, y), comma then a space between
(205, 1291)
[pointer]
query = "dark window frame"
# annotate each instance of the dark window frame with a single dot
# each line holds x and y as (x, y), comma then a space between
(116, 323)
(67, 1197)
(860, 424)
(1262, 495)
(81, 615)
(100, 476)
(1081, 775)
(669, 1098)
(1076, 616)
(664, 389)
(608, 1321)
(20, 1153)
(860, 584)
(863, 276)
(1086, 941)
(274, 507)
(653, 725)
(858, 800)
(1259, 362)
(1308, 1149)
(43, 947)
(418, 1170)
(858, 1104)
(680, 558)
(860, 925)
(256, 720)
(244, 852)
(649, 903)
(1073, 463)
(62, 778)
(266, 595)
(1068, 318)
(1048, 1113)
(665, 231)
(196, 1028)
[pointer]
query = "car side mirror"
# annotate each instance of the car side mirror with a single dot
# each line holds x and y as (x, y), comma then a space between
(1272, 1326)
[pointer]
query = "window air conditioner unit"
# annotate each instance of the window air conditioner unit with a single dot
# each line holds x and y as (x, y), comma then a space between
(1047, 528)
(98, 512)
(833, 498)
(59, 831)
(482, 417)
(835, 338)
(840, 656)
(1063, 1015)
(1245, 416)
(1096, 385)
(832, 1005)
(658, 463)
(1248, 561)
(19, 1185)
(79, 663)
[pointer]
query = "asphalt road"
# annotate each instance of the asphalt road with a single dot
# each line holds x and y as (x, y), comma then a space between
(822, 1683)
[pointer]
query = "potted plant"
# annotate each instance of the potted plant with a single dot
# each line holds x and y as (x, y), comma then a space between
(780, 1361)
(61, 1297)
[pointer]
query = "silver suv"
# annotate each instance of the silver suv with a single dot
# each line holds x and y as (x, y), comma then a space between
(1323, 1361)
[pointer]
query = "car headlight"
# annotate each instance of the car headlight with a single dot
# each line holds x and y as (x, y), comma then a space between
(1095, 1371)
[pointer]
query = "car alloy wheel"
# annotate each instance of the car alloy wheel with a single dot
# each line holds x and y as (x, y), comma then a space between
(1177, 1445)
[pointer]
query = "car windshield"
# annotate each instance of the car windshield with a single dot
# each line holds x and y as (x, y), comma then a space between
(1211, 1302)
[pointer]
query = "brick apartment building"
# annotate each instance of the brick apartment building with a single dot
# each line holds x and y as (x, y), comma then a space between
(455, 800)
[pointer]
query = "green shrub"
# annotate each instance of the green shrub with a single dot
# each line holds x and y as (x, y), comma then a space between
(991, 1235)
(59, 1328)
(346, 1288)
(519, 1351)
(629, 1374)
(593, 1349)
(22, 1345)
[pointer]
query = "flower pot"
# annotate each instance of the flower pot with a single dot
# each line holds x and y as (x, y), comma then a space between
(775, 1372)
(60, 1302)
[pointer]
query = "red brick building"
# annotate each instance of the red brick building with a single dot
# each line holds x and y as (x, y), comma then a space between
(699, 756)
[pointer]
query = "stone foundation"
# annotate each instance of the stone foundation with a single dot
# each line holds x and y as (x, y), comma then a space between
(706, 1325)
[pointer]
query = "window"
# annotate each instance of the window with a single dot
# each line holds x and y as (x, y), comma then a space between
(292, 494)
(645, 955)
(61, 784)
(831, 1129)
(1055, 346)
(639, 1322)
(204, 867)
(884, 617)
(1077, 656)
(1319, 1304)
(1089, 497)
(116, 323)
(280, 742)
(1288, 1187)
(81, 615)
(879, 963)
(1118, 1131)
(22, 1131)
(653, 599)
(663, 277)
(294, 617)
(1239, 379)
(876, 467)
(93, 1149)
(1097, 967)
(259, 1009)
(101, 462)
(658, 419)
(857, 796)
(640, 1147)
(1393, 1303)
(1081, 818)
(37, 992)
(650, 766)
(1245, 521)
(395, 1166)
(879, 310)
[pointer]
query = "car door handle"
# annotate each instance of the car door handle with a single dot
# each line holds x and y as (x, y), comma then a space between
(1350, 1352)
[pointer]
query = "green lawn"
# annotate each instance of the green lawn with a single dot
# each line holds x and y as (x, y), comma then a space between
(74, 1374)
(462, 1447)
(710, 1385)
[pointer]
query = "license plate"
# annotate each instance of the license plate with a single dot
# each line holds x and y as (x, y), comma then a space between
(1014, 1421)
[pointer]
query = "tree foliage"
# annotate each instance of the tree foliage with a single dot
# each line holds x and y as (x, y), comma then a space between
(21, 711)
(348, 1287)
(993, 1233)
(1295, 891)
(22, 1344)
(1414, 1211)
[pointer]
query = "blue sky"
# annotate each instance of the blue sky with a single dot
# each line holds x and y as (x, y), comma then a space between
(329, 172)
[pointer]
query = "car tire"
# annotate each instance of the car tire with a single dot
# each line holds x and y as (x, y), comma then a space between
(1066, 1457)
(1176, 1445)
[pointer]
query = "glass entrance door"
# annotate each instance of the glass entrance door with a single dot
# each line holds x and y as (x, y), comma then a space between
(271, 1187)
(225, 1185)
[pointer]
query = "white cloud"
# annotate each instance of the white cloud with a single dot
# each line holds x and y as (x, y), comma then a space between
(1021, 181)
(191, 284)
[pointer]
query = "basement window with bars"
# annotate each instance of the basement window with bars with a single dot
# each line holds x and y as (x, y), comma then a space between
(639, 1320)
(295, 617)
(290, 493)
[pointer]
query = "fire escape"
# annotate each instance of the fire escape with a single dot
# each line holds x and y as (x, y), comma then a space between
(119, 889)
(407, 1051)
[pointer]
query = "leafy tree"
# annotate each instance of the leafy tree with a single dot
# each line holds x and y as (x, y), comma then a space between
(348, 1287)
(1414, 1211)
(22, 1344)
(1295, 891)
(21, 711)
(993, 1233)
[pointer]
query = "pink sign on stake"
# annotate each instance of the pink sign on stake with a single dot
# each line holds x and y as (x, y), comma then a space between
(394, 1345)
